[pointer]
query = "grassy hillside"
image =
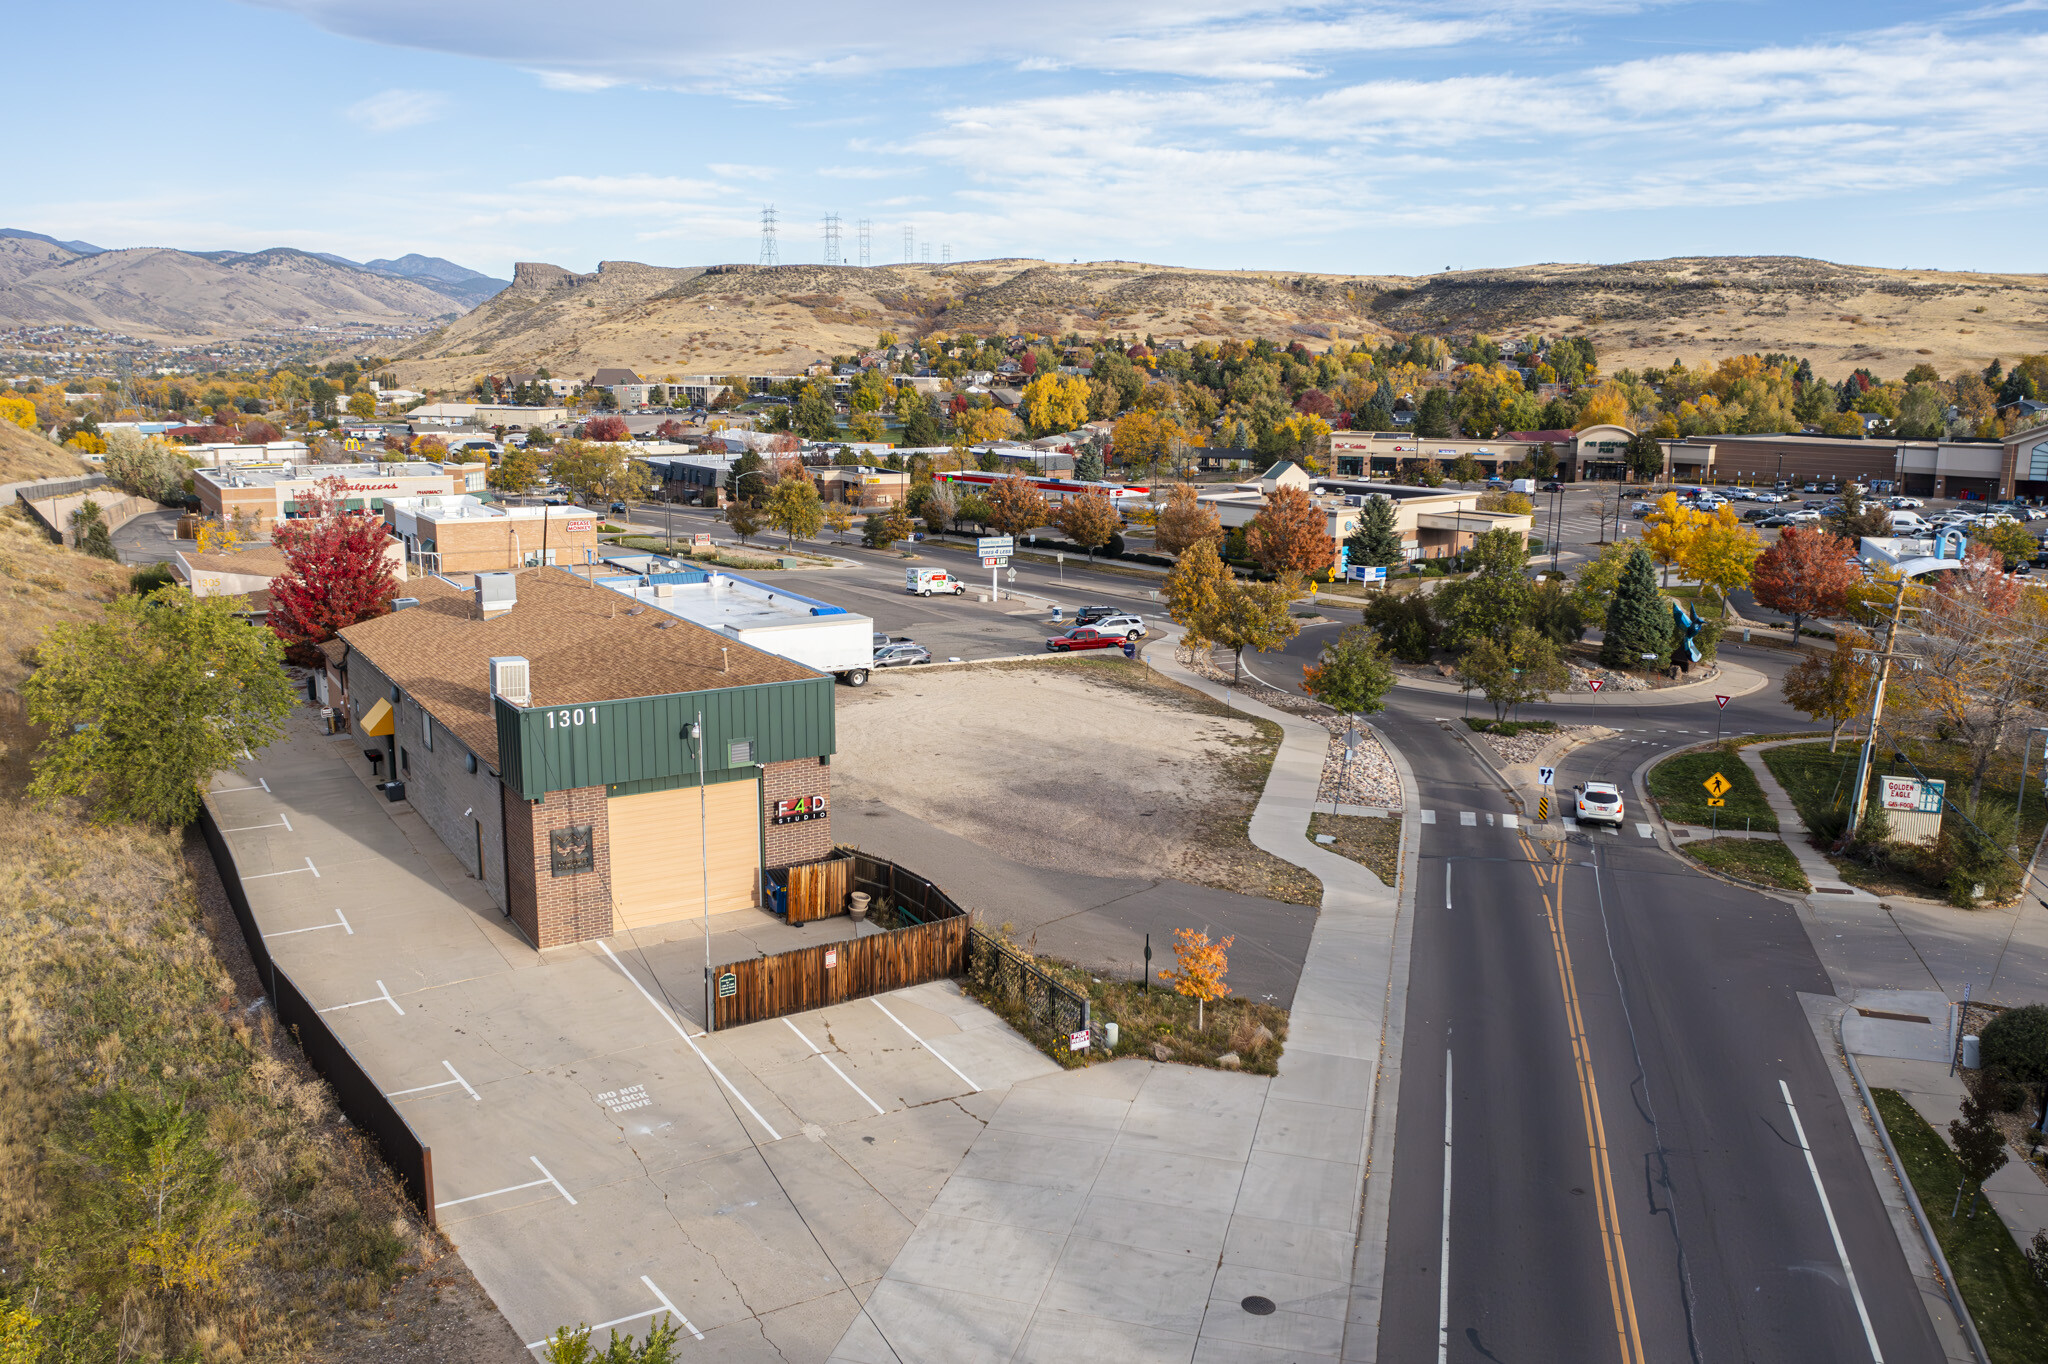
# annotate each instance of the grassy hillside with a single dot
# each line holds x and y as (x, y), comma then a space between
(122, 977)
(27, 454)
(664, 322)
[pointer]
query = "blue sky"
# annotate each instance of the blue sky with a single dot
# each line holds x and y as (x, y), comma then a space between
(1346, 137)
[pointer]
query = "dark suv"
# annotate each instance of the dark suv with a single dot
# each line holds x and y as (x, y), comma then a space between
(1088, 615)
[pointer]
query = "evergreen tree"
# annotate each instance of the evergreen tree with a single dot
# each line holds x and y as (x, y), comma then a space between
(921, 430)
(1088, 467)
(747, 478)
(1644, 457)
(1372, 417)
(1638, 622)
(1434, 419)
(1375, 541)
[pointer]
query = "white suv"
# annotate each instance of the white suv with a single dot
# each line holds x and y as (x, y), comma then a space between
(1599, 802)
(1130, 627)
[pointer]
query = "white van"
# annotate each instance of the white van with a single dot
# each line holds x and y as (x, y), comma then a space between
(1910, 523)
(925, 581)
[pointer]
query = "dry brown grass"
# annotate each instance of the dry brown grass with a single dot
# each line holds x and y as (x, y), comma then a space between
(121, 971)
(25, 455)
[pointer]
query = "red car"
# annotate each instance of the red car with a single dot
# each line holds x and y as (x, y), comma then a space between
(1084, 637)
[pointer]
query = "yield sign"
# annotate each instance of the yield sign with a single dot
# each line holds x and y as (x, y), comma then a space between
(1594, 682)
(1721, 701)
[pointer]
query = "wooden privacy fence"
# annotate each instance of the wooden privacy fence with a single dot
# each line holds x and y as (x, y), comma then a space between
(359, 1095)
(818, 890)
(926, 940)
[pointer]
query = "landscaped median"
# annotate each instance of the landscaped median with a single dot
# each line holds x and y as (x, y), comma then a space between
(1977, 837)
(1678, 785)
(1373, 842)
(2006, 1298)
(1765, 861)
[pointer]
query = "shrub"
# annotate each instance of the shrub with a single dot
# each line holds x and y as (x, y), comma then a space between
(2015, 1043)
(148, 579)
(1972, 853)
(1405, 623)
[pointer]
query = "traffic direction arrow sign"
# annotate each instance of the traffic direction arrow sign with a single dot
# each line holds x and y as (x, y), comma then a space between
(1715, 800)
(1544, 776)
(1717, 787)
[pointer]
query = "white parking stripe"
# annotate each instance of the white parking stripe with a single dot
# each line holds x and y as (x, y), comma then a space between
(294, 871)
(669, 1017)
(835, 1069)
(383, 996)
(928, 1047)
(342, 923)
(666, 1306)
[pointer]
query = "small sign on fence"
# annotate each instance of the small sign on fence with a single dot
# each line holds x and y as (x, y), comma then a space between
(831, 957)
(1078, 1041)
(728, 985)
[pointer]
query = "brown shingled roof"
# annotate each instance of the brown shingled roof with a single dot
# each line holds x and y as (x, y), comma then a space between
(579, 642)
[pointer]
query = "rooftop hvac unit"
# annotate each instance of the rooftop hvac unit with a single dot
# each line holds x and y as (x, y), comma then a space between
(497, 591)
(400, 603)
(509, 680)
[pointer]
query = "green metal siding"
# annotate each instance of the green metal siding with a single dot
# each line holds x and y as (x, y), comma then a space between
(641, 744)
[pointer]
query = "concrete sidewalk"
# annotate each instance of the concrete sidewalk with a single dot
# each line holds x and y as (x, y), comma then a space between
(1131, 1211)
(1792, 829)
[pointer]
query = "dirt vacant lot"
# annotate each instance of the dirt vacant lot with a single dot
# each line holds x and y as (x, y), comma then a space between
(1093, 765)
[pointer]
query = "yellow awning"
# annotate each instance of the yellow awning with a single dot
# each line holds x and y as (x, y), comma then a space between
(377, 719)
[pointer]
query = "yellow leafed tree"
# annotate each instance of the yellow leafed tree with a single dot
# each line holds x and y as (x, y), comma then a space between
(1669, 532)
(1055, 402)
(1200, 965)
(1608, 406)
(17, 409)
(980, 424)
(1723, 552)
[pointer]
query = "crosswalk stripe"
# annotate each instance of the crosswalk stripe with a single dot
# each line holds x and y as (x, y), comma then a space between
(1645, 831)
(1510, 822)
(1428, 816)
(1468, 818)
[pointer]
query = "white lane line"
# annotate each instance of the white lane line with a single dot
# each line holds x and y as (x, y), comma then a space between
(1428, 816)
(284, 820)
(439, 1084)
(1841, 1251)
(1443, 1274)
(292, 872)
(341, 923)
(927, 1046)
(670, 1018)
(383, 996)
(1447, 885)
(666, 1306)
(1467, 819)
(835, 1070)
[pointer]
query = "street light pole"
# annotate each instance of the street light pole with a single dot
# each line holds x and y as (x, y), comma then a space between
(1884, 672)
(703, 860)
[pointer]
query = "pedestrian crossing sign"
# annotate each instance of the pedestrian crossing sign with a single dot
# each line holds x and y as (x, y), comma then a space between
(1717, 787)
(1715, 800)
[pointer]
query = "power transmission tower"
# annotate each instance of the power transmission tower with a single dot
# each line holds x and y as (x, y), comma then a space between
(946, 253)
(832, 239)
(865, 259)
(909, 245)
(769, 255)
(924, 252)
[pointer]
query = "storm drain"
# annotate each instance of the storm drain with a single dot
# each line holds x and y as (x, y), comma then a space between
(1258, 1306)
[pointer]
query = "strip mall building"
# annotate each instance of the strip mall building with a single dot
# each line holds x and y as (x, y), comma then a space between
(542, 727)
(273, 494)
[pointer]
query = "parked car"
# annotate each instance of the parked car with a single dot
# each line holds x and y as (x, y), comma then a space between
(902, 655)
(1130, 627)
(1088, 615)
(1759, 514)
(1776, 522)
(1084, 637)
(618, 509)
(1599, 802)
(1553, 486)
(1640, 509)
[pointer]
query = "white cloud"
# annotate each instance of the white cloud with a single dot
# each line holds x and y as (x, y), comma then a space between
(390, 110)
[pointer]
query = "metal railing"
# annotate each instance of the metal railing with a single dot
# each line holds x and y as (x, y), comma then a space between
(1049, 1009)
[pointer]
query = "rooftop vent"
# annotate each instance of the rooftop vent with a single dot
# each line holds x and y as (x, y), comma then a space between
(509, 680)
(400, 603)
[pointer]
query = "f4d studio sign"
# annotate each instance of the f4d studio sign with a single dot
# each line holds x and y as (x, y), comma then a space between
(798, 810)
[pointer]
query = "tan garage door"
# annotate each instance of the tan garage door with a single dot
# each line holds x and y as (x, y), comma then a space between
(656, 874)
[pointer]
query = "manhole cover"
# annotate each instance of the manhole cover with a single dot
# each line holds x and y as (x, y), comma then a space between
(1258, 1306)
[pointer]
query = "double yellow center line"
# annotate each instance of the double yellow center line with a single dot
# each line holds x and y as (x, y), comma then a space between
(1550, 883)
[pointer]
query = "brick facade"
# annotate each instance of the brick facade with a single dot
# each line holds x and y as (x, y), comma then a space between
(553, 911)
(493, 544)
(786, 845)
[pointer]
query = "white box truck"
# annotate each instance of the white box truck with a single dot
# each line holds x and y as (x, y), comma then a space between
(1525, 485)
(925, 581)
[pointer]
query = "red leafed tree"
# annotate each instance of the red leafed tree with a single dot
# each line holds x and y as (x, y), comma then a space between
(1028, 363)
(257, 433)
(670, 429)
(1807, 573)
(606, 428)
(1316, 403)
(1980, 587)
(335, 571)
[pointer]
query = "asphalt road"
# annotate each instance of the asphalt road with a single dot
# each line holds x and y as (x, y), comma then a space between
(1626, 1178)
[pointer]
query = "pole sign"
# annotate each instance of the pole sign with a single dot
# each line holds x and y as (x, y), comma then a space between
(1366, 573)
(1595, 683)
(996, 546)
(1077, 1041)
(1546, 776)
(1721, 701)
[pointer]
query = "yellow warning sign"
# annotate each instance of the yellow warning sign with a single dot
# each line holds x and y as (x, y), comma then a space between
(1717, 787)
(1715, 800)
(1543, 807)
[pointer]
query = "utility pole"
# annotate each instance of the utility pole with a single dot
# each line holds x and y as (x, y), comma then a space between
(1884, 672)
